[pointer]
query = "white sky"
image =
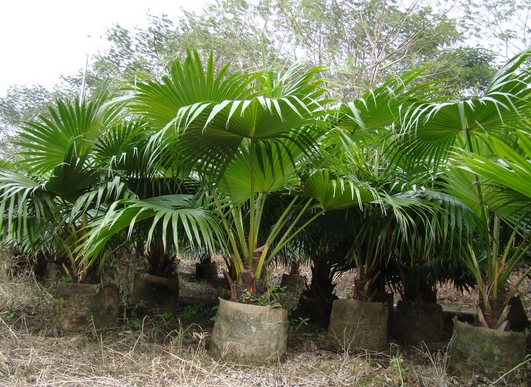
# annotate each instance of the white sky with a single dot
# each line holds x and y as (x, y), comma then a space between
(40, 40)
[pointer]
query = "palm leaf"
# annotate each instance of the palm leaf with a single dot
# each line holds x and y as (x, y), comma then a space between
(23, 204)
(271, 170)
(383, 106)
(337, 193)
(511, 168)
(70, 131)
(191, 87)
(430, 130)
(180, 222)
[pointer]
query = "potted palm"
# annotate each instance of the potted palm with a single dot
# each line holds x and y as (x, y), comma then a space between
(510, 172)
(280, 134)
(491, 259)
(435, 134)
(424, 253)
(245, 136)
(52, 194)
(363, 135)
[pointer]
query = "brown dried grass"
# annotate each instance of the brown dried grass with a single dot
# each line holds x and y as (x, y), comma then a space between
(158, 352)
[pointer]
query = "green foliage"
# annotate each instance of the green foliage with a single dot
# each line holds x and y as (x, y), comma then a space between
(133, 318)
(436, 134)
(271, 296)
(363, 43)
(55, 191)
(243, 134)
(200, 311)
(476, 70)
(300, 322)
(396, 365)
(194, 153)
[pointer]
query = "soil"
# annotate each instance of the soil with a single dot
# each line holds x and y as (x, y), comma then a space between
(154, 348)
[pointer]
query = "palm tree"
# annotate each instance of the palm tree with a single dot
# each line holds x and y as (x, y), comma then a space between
(403, 230)
(246, 138)
(505, 175)
(433, 133)
(50, 195)
(147, 176)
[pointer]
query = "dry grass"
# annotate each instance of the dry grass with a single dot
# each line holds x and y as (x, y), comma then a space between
(162, 350)
(133, 360)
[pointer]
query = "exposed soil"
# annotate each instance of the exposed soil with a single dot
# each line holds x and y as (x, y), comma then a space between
(154, 348)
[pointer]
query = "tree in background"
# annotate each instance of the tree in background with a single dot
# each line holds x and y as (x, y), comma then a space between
(502, 26)
(364, 43)
(475, 68)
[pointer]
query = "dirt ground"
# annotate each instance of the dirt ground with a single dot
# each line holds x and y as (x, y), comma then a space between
(151, 348)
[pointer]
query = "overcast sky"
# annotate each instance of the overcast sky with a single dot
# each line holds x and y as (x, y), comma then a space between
(40, 40)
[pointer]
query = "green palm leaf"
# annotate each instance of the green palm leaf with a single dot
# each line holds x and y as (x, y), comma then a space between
(430, 130)
(188, 90)
(180, 222)
(338, 193)
(211, 114)
(273, 171)
(511, 168)
(122, 148)
(67, 135)
(379, 108)
(23, 203)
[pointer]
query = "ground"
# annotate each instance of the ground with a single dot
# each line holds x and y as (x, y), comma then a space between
(170, 349)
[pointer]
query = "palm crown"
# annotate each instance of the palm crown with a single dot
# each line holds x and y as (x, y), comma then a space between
(245, 137)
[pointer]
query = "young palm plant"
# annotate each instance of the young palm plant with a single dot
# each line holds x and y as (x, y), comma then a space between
(506, 173)
(433, 132)
(245, 137)
(402, 231)
(50, 195)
